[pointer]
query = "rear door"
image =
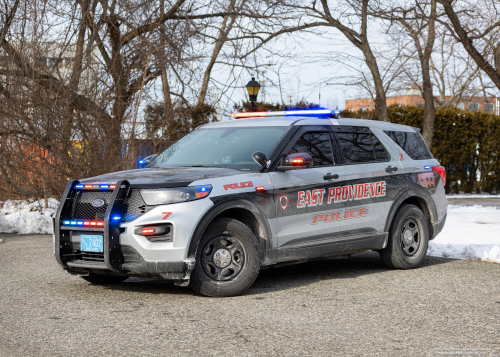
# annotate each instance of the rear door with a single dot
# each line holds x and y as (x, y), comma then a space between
(301, 196)
(372, 179)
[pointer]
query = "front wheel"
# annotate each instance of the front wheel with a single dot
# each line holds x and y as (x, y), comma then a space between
(227, 259)
(408, 239)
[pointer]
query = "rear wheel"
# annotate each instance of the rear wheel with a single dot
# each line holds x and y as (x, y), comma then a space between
(227, 260)
(101, 279)
(408, 239)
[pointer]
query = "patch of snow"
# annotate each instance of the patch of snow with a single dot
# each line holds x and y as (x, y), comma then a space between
(470, 232)
(1, 240)
(27, 217)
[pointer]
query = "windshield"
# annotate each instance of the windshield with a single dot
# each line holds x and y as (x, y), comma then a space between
(221, 147)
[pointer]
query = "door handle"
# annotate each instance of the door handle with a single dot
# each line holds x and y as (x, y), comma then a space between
(330, 176)
(391, 169)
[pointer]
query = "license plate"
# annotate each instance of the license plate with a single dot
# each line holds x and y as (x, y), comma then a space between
(91, 243)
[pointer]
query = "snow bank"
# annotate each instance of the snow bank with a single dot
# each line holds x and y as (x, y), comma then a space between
(470, 232)
(470, 195)
(27, 217)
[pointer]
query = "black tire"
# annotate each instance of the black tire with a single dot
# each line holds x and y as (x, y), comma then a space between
(101, 279)
(237, 265)
(408, 239)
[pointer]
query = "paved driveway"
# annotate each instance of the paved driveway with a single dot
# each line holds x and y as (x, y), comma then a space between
(350, 306)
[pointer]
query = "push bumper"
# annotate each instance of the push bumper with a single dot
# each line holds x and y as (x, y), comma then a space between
(117, 258)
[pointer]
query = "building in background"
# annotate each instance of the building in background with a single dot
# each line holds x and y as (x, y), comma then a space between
(413, 97)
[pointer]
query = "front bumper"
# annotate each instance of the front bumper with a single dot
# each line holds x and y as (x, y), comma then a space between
(124, 252)
(178, 271)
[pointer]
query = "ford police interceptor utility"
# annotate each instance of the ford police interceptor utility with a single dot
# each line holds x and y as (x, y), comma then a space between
(265, 188)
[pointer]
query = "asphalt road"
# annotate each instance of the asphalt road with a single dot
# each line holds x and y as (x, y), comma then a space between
(350, 306)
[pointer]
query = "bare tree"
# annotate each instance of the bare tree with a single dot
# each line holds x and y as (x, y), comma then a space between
(477, 26)
(453, 72)
(73, 77)
(351, 18)
(418, 22)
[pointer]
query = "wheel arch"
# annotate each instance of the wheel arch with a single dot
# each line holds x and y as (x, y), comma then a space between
(242, 210)
(419, 197)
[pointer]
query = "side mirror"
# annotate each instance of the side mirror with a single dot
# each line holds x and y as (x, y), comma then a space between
(147, 160)
(301, 160)
(260, 158)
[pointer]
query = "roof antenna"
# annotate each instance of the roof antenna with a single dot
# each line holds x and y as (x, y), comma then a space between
(319, 100)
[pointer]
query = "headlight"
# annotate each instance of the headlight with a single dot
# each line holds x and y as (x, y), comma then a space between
(173, 195)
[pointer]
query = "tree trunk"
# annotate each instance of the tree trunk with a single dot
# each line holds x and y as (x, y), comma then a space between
(429, 110)
(223, 32)
(168, 110)
(380, 98)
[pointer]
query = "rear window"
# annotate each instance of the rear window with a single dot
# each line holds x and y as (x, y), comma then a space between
(412, 143)
(362, 147)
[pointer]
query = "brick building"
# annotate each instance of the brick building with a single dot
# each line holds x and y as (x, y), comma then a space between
(414, 98)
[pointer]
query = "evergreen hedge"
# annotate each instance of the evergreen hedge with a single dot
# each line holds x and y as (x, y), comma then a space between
(466, 143)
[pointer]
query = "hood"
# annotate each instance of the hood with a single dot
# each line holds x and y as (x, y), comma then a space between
(163, 177)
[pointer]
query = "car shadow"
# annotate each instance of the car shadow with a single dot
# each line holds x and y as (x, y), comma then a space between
(298, 275)
(285, 277)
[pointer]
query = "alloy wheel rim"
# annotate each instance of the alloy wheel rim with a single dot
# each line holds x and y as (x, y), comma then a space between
(223, 258)
(410, 237)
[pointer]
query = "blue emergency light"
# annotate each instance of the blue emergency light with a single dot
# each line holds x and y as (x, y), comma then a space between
(303, 112)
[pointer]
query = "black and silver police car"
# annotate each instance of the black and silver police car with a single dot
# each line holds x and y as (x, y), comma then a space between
(264, 188)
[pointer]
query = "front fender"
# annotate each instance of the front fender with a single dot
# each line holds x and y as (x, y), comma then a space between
(223, 205)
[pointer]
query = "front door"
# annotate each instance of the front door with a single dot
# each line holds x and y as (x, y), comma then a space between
(305, 214)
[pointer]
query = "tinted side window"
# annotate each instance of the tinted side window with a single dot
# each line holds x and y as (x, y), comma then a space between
(362, 147)
(380, 151)
(412, 143)
(317, 145)
(356, 147)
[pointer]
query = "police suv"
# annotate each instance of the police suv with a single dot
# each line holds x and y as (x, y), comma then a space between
(260, 190)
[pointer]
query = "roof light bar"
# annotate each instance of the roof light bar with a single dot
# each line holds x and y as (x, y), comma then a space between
(254, 114)
(309, 112)
(305, 112)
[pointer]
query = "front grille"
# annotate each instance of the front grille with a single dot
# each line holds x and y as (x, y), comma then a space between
(91, 257)
(82, 205)
(133, 205)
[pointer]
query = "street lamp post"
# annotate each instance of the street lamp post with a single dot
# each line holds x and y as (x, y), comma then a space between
(253, 89)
